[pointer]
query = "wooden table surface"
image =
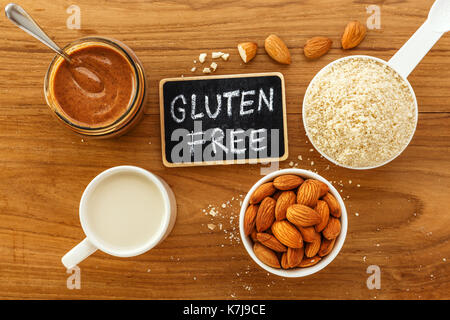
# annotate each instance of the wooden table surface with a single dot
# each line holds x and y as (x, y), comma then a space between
(399, 214)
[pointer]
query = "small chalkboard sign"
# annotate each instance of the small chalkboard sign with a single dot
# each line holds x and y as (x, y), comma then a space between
(223, 119)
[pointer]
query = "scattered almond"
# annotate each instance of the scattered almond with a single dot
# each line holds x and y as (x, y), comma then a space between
(247, 50)
(317, 47)
(354, 34)
(277, 49)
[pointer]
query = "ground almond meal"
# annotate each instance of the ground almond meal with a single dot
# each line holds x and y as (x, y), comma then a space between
(359, 112)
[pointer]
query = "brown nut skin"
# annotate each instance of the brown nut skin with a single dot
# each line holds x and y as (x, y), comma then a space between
(266, 214)
(285, 200)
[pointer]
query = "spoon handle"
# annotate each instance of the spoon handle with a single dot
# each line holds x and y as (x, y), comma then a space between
(23, 20)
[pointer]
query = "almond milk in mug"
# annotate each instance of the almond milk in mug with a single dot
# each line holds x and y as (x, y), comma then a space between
(125, 211)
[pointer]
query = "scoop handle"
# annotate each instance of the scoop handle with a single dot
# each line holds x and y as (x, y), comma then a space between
(408, 57)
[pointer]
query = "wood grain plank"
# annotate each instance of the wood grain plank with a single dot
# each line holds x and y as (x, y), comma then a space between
(402, 222)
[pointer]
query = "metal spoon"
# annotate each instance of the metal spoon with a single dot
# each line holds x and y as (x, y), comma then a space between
(23, 20)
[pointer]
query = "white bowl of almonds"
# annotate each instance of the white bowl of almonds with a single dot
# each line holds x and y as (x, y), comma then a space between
(293, 223)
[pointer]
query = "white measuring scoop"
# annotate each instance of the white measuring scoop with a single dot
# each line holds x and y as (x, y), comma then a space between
(403, 62)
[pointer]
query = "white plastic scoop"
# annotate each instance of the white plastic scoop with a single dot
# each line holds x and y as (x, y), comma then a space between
(403, 62)
(413, 51)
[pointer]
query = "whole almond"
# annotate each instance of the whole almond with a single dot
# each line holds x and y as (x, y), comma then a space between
(287, 234)
(333, 229)
(309, 234)
(250, 219)
(302, 216)
(294, 256)
(277, 49)
(266, 255)
(266, 214)
(354, 34)
(247, 50)
(333, 205)
(284, 262)
(308, 193)
(308, 262)
(270, 242)
(285, 200)
(326, 246)
(312, 248)
(317, 47)
(322, 209)
(287, 182)
(323, 187)
(264, 190)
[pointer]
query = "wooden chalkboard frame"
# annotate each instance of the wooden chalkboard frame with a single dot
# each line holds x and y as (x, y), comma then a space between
(222, 162)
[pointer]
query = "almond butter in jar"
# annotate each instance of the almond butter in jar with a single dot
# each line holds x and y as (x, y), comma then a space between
(101, 92)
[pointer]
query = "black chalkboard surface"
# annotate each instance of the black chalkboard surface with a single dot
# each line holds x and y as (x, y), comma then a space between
(223, 119)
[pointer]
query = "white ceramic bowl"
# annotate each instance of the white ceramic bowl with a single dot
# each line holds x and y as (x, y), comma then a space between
(298, 272)
(307, 129)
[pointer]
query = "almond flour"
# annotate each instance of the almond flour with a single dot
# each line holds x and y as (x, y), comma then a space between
(360, 112)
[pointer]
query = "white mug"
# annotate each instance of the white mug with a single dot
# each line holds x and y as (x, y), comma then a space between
(92, 242)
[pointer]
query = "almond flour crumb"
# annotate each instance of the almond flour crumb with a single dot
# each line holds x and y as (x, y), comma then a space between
(202, 57)
(225, 56)
(206, 70)
(193, 69)
(213, 66)
(211, 226)
(360, 112)
(216, 55)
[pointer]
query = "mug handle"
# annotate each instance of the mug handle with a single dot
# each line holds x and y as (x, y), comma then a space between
(78, 253)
